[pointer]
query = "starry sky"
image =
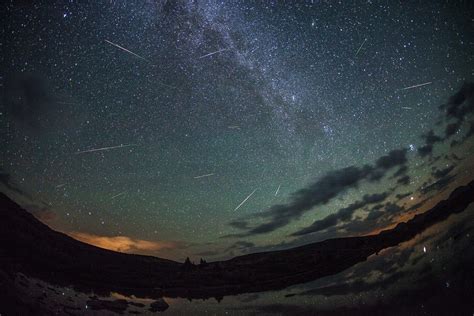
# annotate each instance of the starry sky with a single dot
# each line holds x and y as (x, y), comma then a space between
(211, 128)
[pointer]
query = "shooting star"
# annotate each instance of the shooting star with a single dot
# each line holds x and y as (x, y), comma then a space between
(277, 190)
(63, 102)
(357, 53)
(417, 85)
(204, 175)
(233, 127)
(60, 185)
(216, 52)
(407, 108)
(104, 148)
(117, 195)
(242, 203)
(126, 50)
(167, 85)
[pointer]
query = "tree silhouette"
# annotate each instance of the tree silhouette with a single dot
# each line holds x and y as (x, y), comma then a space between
(188, 264)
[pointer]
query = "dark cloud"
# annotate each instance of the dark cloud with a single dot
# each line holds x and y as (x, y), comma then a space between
(459, 107)
(455, 157)
(405, 180)
(322, 191)
(338, 181)
(388, 211)
(28, 98)
(452, 128)
(461, 103)
(424, 151)
(430, 139)
(239, 224)
(371, 217)
(344, 214)
(6, 180)
(470, 131)
(440, 173)
(439, 185)
(393, 208)
(240, 245)
(380, 215)
(403, 195)
(417, 205)
(394, 158)
(401, 171)
(40, 210)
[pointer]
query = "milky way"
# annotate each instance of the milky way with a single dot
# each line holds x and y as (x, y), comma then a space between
(154, 120)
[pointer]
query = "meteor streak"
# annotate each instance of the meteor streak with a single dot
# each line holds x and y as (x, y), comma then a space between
(210, 54)
(417, 85)
(126, 50)
(103, 148)
(242, 203)
(204, 175)
(117, 195)
(357, 53)
(277, 190)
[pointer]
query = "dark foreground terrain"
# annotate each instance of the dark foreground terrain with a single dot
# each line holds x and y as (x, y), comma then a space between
(29, 247)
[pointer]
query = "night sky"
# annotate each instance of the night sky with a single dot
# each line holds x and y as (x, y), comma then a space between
(215, 129)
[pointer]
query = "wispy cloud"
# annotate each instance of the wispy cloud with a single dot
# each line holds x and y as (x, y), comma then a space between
(321, 192)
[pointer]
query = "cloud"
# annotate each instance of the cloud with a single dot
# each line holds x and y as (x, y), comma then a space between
(338, 181)
(394, 158)
(6, 180)
(461, 103)
(244, 246)
(452, 128)
(401, 171)
(27, 97)
(470, 132)
(344, 214)
(439, 185)
(424, 151)
(403, 195)
(122, 243)
(389, 210)
(239, 224)
(440, 173)
(321, 192)
(41, 211)
(459, 107)
(405, 180)
(430, 139)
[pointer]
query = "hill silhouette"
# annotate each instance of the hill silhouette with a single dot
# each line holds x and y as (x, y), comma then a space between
(32, 248)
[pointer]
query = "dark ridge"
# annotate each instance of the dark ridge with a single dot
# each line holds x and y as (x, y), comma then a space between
(30, 247)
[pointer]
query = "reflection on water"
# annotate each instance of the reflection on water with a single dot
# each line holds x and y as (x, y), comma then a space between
(406, 273)
(419, 273)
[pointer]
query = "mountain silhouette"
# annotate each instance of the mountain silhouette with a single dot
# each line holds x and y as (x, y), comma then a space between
(32, 248)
